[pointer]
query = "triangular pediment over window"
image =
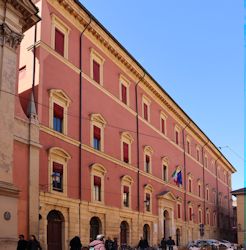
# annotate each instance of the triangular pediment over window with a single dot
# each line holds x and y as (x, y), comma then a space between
(167, 195)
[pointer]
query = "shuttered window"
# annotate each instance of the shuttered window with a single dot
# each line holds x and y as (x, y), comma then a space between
(163, 126)
(58, 114)
(59, 42)
(126, 196)
(146, 115)
(125, 152)
(96, 71)
(97, 188)
(124, 93)
(147, 202)
(147, 163)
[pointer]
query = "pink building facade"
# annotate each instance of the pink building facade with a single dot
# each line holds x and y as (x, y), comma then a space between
(117, 155)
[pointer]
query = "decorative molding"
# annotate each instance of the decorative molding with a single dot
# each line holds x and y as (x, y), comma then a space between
(8, 37)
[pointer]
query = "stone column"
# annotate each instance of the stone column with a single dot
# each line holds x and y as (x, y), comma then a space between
(16, 17)
(9, 40)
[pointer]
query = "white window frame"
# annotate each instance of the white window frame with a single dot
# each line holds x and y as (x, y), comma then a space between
(165, 162)
(148, 151)
(163, 117)
(95, 56)
(126, 180)
(60, 156)
(127, 138)
(59, 97)
(56, 22)
(126, 83)
(100, 171)
(148, 189)
(147, 101)
(98, 121)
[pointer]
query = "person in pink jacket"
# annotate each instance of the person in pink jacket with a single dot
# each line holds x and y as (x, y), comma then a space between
(97, 244)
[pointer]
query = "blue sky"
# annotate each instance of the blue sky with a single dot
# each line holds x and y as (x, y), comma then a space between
(194, 49)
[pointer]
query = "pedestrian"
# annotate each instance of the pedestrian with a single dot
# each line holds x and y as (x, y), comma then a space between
(163, 244)
(170, 243)
(22, 243)
(143, 244)
(98, 244)
(109, 244)
(115, 244)
(75, 243)
(33, 243)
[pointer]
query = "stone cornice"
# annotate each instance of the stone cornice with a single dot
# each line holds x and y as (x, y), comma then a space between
(9, 37)
(100, 33)
(28, 11)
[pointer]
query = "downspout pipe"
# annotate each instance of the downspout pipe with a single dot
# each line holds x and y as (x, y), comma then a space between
(203, 176)
(185, 198)
(138, 157)
(80, 116)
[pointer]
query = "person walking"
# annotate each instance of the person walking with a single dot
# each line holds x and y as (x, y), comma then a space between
(143, 244)
(98, 244)
(170, 243)
(163, 244)
(75, 243)
(109, 244)
(22, 243)
(33, 244)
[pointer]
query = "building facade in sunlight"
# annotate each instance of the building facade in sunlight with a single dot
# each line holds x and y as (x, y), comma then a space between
(118, 156)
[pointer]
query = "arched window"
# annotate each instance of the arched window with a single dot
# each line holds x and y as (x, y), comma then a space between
(146, 232)
(58, 160)
(95, 227)
(124, 233)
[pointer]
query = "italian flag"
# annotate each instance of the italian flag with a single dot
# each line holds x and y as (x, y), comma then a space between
(175, 176)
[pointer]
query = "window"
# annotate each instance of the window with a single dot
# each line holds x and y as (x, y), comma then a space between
(96, 71)
(96, 138)
(148, 151)
(59, 42)
(98, 124)
(197, 154)
(190, 184)
(188, 146)
(58, 104)
(126, 182)
(190, 213)
(126, 141)
(58, 114)
(207, 218)
(96, 67)
(146, 108)
(179, 211)
(97, 182)
(200, 216)
(177, 135)
(124, 90)
(207, 193)
(214, 219)
(148, 198)
(58, 160)
(163, 125)
(97, 188)
(165, 175)
(199, 189)
(57, 177)
(59, 36)
(206, 161)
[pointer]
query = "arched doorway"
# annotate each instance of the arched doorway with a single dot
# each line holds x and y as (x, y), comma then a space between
(95, 227)
(55, 230)
(177, 236)
(166, 224)
(146, 233)
(124, 233)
